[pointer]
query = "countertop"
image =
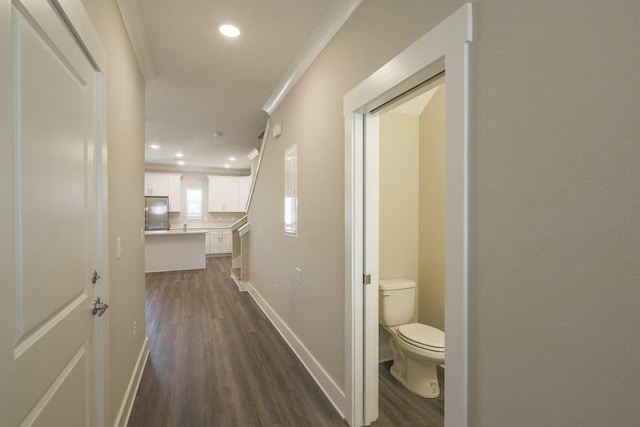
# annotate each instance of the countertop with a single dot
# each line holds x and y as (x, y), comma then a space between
(176, 231)
(199, 226)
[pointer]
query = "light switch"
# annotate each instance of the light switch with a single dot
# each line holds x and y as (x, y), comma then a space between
(298, 275)
(118, 248)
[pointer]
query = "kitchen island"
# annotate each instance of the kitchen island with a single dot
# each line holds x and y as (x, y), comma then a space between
(174, 250)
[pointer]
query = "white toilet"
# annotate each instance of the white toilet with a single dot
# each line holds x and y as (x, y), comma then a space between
(417, 348)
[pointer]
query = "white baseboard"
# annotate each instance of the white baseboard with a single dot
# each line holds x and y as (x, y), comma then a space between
(242, 286)
(127, 402)
(335, 395)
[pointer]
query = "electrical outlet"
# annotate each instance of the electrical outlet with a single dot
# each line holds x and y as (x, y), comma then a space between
(277, 289)
(135, 329)
(298, 275)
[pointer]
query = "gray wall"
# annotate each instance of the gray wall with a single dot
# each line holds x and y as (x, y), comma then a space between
(556, 241)
(554, 203)
(125, 136)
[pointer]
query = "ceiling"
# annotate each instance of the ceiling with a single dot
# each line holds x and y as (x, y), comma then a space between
(207, 96)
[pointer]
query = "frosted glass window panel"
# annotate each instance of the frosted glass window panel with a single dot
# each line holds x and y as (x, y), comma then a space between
(291, 191)
(194, 203)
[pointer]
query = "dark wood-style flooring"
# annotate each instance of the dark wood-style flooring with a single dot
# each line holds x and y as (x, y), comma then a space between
(398, 407)
(216, 360)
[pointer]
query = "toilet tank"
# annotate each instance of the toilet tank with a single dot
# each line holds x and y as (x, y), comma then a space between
(396, 300)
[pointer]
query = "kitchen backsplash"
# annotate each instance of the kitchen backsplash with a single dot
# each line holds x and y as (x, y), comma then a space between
(176, 219)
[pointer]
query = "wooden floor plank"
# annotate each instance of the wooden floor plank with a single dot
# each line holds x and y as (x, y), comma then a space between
(216, 360)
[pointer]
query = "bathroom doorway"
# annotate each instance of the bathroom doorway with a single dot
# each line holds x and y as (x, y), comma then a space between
(411, 195)
(446, 45)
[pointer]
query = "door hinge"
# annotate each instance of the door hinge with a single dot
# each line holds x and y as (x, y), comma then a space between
(366, 279)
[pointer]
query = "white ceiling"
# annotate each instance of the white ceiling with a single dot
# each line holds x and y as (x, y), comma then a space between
(199, 82)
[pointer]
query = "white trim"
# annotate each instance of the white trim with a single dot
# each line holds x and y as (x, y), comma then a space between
(102, 357)
(371, 266)
(449, 40)
(132, 389)
(135, 29)
(354, 263)
(242, 286)
(330, 389)
(332, 22)
(76, 16)
(254, 178)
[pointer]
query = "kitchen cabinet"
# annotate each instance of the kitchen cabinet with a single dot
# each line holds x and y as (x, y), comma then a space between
(175, 200)
(219, 241)
(174, 250)
(156, 184)
(164, 184)
(228, 193)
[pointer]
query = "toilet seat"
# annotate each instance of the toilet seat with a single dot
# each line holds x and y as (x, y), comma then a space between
(422, 336)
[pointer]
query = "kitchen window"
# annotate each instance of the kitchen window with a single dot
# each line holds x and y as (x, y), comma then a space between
(194, 203)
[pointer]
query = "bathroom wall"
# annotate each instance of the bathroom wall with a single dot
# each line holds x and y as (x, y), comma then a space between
(398, 252)
(398, 221)
(431, 211)
(412, 206)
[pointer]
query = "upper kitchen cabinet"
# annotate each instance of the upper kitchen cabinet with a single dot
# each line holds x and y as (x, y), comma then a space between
(164, 184)
(156, 184)
(228, 193)
(174, 192)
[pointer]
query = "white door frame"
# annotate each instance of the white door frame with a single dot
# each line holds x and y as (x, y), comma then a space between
(444, 47)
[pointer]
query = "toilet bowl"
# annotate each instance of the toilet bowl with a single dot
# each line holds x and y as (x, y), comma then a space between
(417, 348)
(415, 358)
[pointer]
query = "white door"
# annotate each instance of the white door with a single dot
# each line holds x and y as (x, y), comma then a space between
(48, 333)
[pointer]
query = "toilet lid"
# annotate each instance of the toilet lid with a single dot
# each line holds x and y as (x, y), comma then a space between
(423, 336)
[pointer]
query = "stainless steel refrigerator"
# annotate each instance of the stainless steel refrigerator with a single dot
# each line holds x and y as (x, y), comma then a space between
(156, 213)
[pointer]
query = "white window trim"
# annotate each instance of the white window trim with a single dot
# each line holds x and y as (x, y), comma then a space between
(291, 189)
(187, 214)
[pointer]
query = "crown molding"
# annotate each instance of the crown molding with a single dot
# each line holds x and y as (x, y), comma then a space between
(133, 23)
(332, 22)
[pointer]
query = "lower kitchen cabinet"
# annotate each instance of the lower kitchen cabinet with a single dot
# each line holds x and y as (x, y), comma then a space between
(218, 241)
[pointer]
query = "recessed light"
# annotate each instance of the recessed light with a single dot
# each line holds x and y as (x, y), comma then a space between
(229, 30)
(154, 146)
(227, 165)
(179, 155)
(181, 162)
(233, 159)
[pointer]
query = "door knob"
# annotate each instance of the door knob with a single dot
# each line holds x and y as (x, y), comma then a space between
(99, 307)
